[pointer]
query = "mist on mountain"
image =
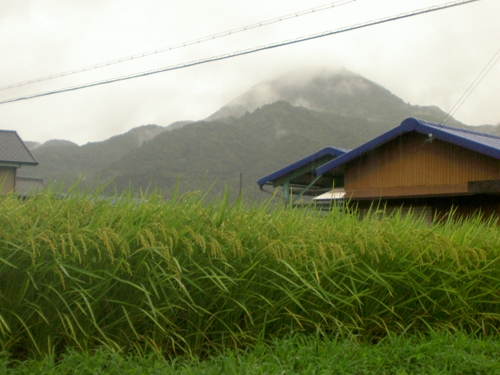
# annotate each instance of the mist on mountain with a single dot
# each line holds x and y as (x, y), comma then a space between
(271, 125)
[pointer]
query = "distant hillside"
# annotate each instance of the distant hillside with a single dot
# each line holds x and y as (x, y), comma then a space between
(32, 145)
(342, 92)
(254, 144)
(178, 125)
(250, 137)
(61, 160)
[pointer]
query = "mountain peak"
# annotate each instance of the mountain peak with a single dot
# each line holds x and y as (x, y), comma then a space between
(341, 91)
(318, 91)
(58, 143)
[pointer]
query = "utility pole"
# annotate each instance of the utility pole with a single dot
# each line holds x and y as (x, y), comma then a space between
(241, 182)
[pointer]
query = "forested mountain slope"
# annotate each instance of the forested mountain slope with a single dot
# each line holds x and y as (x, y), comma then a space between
(266, 128)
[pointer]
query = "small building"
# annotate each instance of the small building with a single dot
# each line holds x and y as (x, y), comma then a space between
(430, 167)
(13, 154)
(299, 178)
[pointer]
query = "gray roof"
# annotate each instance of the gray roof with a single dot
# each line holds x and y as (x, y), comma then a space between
(13, 150)
(26, 186)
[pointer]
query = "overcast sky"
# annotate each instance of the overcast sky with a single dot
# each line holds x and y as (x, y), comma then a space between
(429, 59)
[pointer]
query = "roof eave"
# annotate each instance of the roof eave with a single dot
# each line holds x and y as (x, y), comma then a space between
(18, 162)
(335, 152)
(459, 141)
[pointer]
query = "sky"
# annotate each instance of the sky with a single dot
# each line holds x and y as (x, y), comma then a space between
(429, 59)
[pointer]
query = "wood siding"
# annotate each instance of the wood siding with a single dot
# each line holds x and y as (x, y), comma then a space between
(412, 165)
(436, 208)
(7, 179)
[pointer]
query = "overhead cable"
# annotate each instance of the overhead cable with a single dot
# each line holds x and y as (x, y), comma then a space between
(181, 45)
(473, 86)
(247, 51)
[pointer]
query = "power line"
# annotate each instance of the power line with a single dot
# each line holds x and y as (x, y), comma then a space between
(247, 51)
(181, 45)
(473, 85)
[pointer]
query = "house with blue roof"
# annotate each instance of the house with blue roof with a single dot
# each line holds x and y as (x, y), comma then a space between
(300, 179)
(430, 167)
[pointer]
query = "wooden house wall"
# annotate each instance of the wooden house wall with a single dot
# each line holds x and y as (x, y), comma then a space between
(7, 179)
(414, 165)
(434, 208)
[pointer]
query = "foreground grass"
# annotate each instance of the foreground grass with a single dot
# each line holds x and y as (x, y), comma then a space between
(300, 354)
(190, 277)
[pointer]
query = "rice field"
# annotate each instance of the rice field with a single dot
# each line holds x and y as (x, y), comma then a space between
(187, 276)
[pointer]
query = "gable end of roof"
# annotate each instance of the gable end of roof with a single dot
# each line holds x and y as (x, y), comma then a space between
(483, 143)
(13, 149)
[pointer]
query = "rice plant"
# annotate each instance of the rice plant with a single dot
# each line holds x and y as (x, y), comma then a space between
(190, 276)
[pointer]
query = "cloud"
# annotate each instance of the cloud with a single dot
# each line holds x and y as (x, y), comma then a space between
(428, 59)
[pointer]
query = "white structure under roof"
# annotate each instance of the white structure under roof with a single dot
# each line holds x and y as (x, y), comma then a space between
(334, 194)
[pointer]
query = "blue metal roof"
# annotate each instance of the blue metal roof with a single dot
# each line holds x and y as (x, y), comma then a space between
(483, 143)
(332, 151)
